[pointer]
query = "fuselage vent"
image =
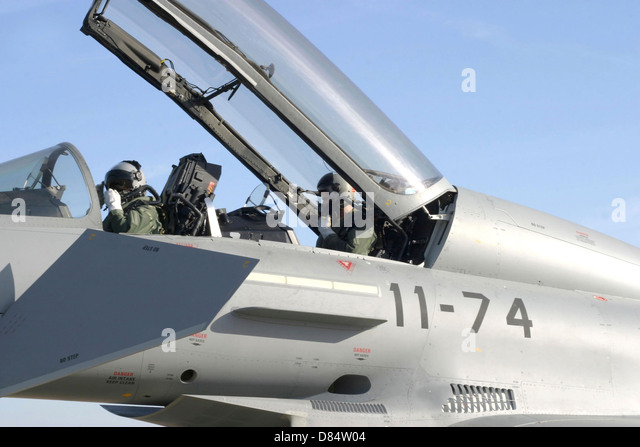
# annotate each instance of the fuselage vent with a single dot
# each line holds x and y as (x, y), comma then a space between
(479, 399)
(348, 407)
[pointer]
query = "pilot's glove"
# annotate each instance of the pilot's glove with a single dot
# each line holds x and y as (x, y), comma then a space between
(112, 200)
(324, 226)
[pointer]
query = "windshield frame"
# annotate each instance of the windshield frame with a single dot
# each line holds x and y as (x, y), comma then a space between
(92, 218)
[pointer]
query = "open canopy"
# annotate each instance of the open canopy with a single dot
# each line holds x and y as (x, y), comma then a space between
(270, 97)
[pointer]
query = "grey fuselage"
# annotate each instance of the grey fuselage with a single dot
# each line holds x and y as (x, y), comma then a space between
(520, 313)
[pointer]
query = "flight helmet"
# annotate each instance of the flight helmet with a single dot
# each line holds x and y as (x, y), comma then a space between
(125, 177)
(334, 183)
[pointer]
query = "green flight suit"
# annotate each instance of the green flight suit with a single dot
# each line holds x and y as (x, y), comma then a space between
(349, 239)
(136, 217)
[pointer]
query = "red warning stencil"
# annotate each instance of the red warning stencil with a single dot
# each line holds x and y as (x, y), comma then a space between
(348, 265)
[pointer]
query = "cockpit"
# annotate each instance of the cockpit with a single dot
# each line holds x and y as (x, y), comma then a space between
(278, 105)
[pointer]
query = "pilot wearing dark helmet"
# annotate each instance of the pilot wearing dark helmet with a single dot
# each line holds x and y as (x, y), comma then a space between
(338, 228)
(130, 210)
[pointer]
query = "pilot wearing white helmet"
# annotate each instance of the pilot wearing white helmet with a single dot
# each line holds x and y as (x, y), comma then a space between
(130, 210)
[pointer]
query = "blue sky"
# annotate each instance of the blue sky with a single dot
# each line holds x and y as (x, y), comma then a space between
(554, 122)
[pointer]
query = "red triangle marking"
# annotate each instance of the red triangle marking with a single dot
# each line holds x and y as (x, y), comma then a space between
(346, 264)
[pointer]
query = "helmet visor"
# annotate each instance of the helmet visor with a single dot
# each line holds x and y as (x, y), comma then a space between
(121, 181)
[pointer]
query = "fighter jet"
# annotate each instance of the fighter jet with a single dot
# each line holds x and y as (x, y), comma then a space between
(468, 310)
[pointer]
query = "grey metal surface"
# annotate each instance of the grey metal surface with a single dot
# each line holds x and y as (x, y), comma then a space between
(534, 349)
(495, 238)
(106, 297)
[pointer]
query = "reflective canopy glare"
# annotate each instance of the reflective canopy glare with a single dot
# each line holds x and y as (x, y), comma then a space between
(298, 116)
(321, 91)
